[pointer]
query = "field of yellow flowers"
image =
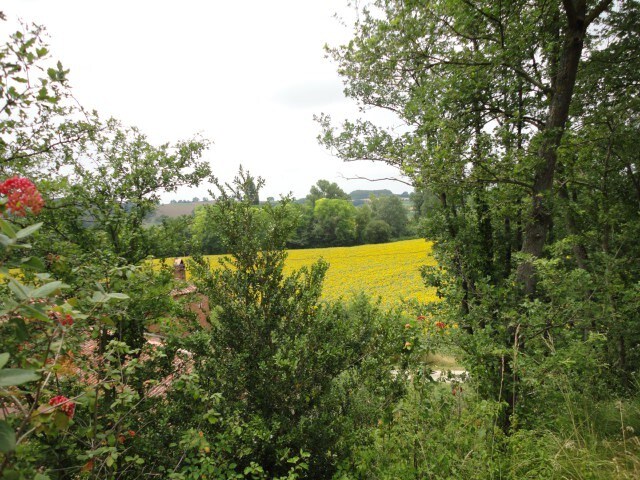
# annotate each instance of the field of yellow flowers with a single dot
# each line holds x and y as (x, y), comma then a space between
(390, 271)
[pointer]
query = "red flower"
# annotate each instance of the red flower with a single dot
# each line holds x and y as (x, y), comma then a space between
(65, 405)
(64, 320)
(22, 195)
(67, 321)
(441, 325)
(421, 318)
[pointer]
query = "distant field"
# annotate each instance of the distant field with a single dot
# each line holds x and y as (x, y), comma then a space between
(390, 270)
(174, 210)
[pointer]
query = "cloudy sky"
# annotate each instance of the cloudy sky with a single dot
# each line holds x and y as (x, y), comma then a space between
(249, 75)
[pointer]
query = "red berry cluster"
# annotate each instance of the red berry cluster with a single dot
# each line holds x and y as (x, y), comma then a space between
(22, 195)
(122, 438)
(65, 405)
(65, 320)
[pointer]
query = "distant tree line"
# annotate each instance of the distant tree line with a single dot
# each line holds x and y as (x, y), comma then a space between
(326, 217)
(193, 200)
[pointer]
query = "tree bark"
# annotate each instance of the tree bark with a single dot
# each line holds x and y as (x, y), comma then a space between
(537, 229)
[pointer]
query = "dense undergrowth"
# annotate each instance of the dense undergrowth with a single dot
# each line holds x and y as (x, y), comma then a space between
(535, 232)
(283, 385)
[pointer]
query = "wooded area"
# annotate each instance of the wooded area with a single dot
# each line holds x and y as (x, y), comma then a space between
(519, 123)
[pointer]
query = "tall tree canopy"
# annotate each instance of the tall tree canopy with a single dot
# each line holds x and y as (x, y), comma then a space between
(520, 117)
(326, 189)
(484, 88)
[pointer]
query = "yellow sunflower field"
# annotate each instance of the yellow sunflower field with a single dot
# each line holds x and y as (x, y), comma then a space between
(390, 271)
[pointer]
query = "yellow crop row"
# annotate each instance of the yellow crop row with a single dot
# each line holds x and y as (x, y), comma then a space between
(390, 271)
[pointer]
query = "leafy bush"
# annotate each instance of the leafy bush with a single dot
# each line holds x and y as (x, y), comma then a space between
(302, 376)
(377, 231)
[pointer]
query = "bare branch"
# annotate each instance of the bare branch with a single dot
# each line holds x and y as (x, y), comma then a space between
(392, 179)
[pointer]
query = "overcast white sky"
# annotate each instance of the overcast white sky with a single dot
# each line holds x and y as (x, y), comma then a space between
(248, 75)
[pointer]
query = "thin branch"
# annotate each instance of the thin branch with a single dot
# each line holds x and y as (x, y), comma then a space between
(504, 180)
(482, 12)
(393, 179)
(533, 81)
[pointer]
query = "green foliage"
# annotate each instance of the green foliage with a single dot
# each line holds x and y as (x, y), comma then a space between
(76, 375)
(363, 217)
(103, 204)
(206, 238)
(271, 357)
(528, 182)
(532, 226)
(521, 142)
(391, 210)
(326, 189)
(334, 222)
(377, 231)
(174, 237)
(32, 93)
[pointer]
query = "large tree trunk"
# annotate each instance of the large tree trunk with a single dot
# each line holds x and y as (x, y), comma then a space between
(537, 229)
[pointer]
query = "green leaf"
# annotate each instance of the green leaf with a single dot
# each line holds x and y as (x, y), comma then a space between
(34, 263)
(32, 311)
(47, 289)
(98, 297)
(5, 241)
(4, 358)
(10, 377)
(10, 474)
(60, 420)
(7, 437)
(25, 246)
(25, 232)
(118, 296)
(21, 330)
(7, 228)
(19, 290)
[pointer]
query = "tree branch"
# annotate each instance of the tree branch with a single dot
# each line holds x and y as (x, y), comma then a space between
(393, 179)
(597, 10)
(534, 81)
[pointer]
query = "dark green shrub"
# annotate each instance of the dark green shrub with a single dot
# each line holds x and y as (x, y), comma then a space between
(377, 231)
(301, 375)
